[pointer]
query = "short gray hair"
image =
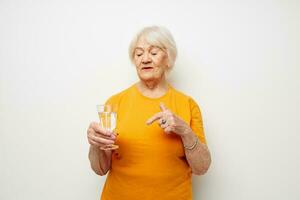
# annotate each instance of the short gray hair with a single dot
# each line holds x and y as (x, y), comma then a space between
(158, 36)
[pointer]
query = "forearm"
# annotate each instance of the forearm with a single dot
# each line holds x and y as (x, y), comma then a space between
(100, 160)
(199, 157)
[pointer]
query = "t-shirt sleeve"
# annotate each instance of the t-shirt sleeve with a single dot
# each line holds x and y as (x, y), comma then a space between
(196, 121)
(113, 100)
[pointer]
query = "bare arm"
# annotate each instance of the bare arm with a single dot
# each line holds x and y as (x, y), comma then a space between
(199, 157)
(100, 160)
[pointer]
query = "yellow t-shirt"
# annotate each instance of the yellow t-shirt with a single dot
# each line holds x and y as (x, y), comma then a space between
(149, 163)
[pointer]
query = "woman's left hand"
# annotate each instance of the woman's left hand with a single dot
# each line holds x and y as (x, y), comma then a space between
(169, 122)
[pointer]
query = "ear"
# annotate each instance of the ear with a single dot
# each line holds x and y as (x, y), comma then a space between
(167, 60)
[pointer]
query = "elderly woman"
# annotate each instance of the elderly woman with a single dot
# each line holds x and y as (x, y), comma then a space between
(159, 130)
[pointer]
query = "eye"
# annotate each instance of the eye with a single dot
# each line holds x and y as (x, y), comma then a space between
(138, 55)
(154, 53)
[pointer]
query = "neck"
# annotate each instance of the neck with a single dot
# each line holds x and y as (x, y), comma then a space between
(153, 88)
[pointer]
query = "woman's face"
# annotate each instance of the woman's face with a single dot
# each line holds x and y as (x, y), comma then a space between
(151, 62)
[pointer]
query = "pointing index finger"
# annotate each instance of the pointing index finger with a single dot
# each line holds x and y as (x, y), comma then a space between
(162, 106)
(155, 117)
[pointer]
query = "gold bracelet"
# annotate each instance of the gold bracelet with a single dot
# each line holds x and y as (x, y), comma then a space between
(192, 146)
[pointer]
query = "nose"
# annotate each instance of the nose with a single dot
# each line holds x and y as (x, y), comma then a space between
(146, 59)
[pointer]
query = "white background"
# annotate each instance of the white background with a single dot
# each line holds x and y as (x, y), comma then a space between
(237, 59)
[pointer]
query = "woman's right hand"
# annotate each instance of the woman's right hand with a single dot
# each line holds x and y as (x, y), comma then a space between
(99, 137)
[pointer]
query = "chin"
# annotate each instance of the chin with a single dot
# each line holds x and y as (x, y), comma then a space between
(147, 78)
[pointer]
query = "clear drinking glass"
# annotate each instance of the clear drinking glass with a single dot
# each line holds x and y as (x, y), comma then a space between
(108, 120)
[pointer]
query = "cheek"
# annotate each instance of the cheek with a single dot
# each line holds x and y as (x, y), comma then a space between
(162, 58)
(160, 61)
(137, 60)
(156, 59)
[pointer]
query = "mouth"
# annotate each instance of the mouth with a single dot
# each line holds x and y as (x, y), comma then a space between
(147, 68)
